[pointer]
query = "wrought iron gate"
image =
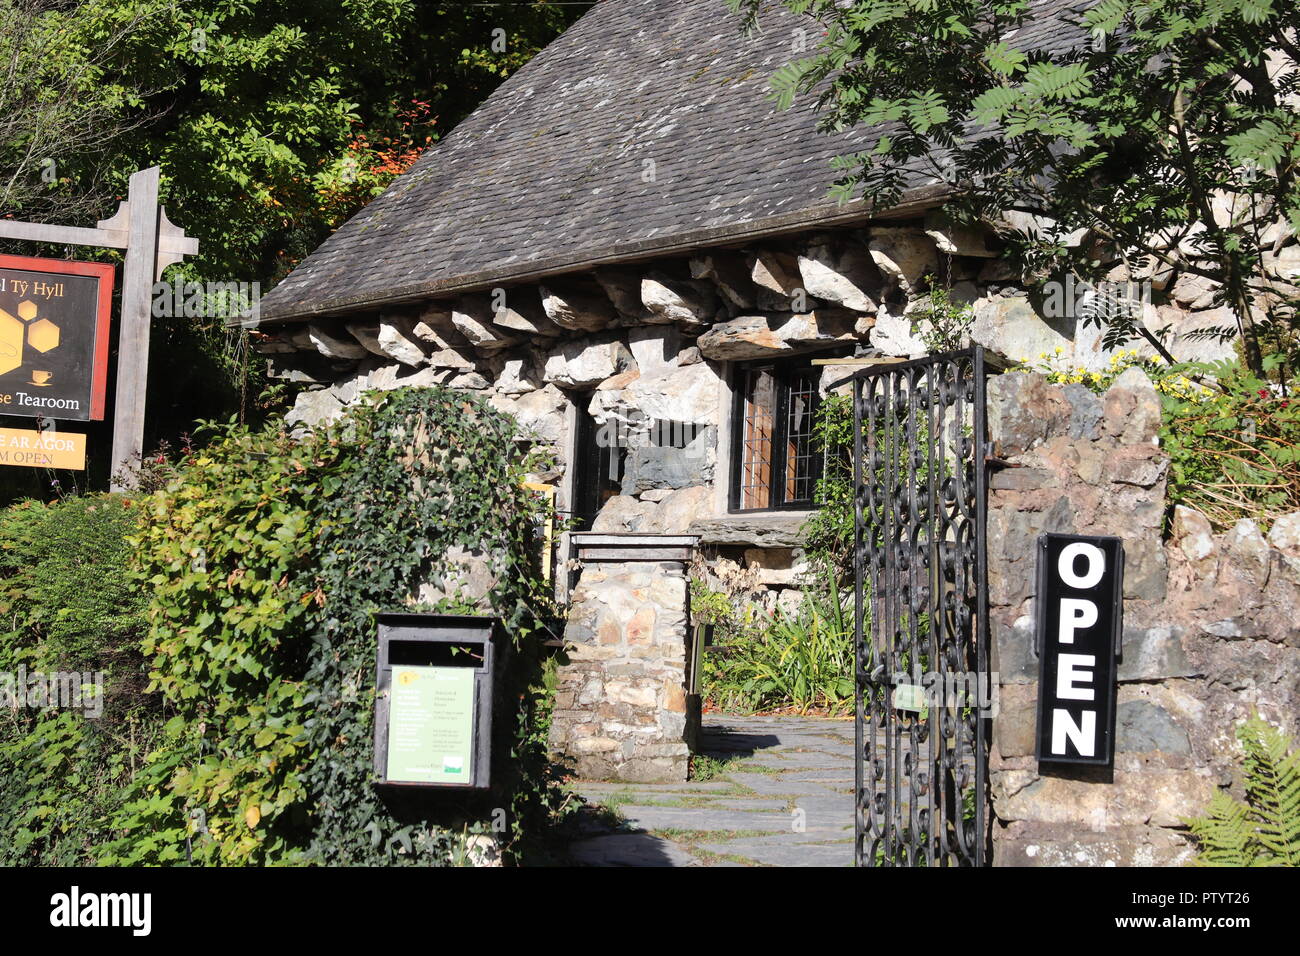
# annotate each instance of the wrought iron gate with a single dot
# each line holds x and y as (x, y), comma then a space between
(921, 630)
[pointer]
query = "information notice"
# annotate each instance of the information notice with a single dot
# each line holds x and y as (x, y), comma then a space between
(431, 725)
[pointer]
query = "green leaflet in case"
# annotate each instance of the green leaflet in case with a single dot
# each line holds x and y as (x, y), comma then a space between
(431, 725)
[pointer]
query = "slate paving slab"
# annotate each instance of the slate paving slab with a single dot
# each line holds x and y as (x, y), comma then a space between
(745, 814)
(824, 777)
(793, 854)
(704, 819)
(690, 787)
(778, 784)
(629, 849)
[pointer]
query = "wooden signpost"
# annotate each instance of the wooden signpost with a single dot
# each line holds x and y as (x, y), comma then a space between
(140, 226)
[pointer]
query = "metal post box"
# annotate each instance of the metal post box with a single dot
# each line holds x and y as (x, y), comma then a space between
(434, 700)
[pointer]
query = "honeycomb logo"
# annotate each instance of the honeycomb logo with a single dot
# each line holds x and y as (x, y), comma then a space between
(41, 334)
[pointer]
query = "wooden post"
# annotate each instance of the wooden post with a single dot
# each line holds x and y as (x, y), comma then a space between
(133, 334)
(152, 243)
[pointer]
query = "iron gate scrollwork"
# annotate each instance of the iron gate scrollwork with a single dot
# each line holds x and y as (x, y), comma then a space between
(921, 631)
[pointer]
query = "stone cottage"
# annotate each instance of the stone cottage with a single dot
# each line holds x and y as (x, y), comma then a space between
(632, 251)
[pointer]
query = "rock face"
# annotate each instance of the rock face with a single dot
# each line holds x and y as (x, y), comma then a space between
(844, 276)
(574, 306)
(584, 362)
(728, 271)
(688, 395)
(393, 337)
(472, 318)
(464, 575)
(314, 407)
(957, 240)
(778, 284)
(1209, 628)
(893, 335)
(334, 341)
(541, 413)
(1011, 328)
(668, 300)
(763, 336)
(520, 310)
(519, 373)
(904, 255)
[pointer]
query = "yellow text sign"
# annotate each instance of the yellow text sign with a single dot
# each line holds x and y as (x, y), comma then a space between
(29, 448)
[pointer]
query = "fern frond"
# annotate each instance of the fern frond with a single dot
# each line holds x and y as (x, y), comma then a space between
(1264, 830)
(1225, 834)
(1273, 789)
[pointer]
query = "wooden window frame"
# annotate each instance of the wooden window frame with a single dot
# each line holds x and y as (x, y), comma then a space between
(783, 373)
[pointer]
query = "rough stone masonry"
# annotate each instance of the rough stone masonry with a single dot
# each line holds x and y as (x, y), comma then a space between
(621, 704)
(1210, 632)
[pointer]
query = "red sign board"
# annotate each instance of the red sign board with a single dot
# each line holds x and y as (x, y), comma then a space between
(54, 327)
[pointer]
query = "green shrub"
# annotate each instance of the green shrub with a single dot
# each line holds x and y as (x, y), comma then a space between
(226, 551)
(1264, 829)
(61, 781)
(65, 595)
(1234, 448)
(801, 659)
(267, 558)
(67, 604)
(942, 324)
(829, 530)
(735, 623)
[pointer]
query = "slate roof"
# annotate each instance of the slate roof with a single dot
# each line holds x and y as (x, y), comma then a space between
(546, 176)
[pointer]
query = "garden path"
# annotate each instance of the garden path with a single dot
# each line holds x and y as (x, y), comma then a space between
(774, 791)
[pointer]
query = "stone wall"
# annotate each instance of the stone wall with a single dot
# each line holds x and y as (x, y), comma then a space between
(650, 342)
(1210, 628)
(621, 703)
(1209, 634)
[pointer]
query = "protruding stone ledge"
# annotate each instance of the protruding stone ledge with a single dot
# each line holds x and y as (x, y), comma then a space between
(767, 529)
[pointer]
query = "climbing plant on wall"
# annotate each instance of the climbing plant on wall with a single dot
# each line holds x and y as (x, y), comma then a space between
(268, 557)
(433, 483)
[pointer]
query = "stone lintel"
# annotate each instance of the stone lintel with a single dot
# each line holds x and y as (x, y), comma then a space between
(634, 547)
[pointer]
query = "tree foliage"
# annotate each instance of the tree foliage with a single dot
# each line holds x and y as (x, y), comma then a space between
(68, 604)
(62, 102)
(1162, 132)
(272, 123)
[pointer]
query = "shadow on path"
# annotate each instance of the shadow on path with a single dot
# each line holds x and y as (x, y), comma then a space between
(779, 793)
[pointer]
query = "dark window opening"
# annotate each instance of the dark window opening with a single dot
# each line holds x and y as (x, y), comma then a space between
(774, 462)
(597, 466)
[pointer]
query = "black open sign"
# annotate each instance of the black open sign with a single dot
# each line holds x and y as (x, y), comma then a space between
(1080, 615)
